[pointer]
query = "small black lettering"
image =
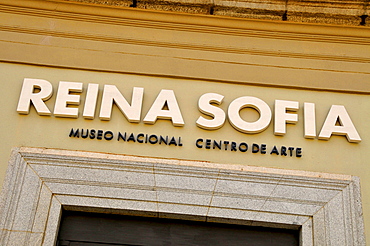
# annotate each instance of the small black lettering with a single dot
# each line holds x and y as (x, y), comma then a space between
(153, 139)
(291, 151)
(199, 140)
(244, 148)
(217, 144)
(274, 151)
(263, 148)
(173, 141)
(86, 133)
(164, 140)
(138, 138)
(299, 152)
(92, 134)
(283, 151)
(208, 143)
(131, 138)
(233, 146)
(100, 135)
(108, 135)
(255, 148)
(74, 133)
(120, 136)
(226, 143)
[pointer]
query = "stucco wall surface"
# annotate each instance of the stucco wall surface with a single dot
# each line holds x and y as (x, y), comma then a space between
(336, 156)
(191, 55)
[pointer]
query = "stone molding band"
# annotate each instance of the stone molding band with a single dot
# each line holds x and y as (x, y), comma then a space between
(40, 182)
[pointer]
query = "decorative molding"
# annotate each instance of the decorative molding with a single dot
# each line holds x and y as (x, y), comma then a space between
(40, 182)
(208, 48)
(189, 46)
(187, 22)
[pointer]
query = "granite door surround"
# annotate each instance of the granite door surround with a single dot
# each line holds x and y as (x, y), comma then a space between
(40, 182)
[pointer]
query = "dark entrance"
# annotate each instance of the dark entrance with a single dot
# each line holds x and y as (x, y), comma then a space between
(90, 229)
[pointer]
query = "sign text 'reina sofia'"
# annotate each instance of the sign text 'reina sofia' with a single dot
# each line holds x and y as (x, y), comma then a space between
(165, 106)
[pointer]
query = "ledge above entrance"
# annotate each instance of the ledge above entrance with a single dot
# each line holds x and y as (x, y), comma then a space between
(39, 182)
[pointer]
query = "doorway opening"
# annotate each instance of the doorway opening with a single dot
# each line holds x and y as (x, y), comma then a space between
(98, 229)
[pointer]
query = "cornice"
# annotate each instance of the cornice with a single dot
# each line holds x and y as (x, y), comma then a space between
(221, 49)
(213, 42)
(188, 22)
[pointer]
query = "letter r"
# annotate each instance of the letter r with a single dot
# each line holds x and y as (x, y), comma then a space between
(37, 98)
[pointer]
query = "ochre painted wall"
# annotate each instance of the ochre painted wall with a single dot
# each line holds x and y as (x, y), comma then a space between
(334, 156)
(190, 54)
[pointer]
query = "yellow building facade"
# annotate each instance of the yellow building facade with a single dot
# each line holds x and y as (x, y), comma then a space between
(196, 116)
